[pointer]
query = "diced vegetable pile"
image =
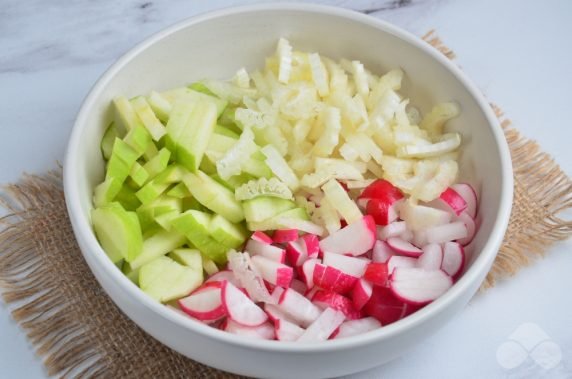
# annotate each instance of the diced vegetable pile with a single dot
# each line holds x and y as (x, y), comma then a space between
(303, 202)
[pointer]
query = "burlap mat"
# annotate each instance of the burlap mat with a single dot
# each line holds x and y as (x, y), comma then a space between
(79, 332)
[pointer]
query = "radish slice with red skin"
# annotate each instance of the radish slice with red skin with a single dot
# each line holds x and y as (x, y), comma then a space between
(223, 275)
(418, 286)
(311, 292)
(431, 258)
(287, 331)
(384, 306)
(205, 303)
(298, 286)
(349, 265)
(298, 307)
(261, 237)
(471, 228)
(354, 327)
(332, 279)
(285, 235)
(260, 332)
(312, 245)
(324, 299)
(399, 261)
(422, 217)
(240, 308)
(276, 294)
(355, 239)
(383, 190)
(296, 252)
(453, 259)
(403, 247)
(274, 313)
(249, 278)
(275, 273)
(395, 229)
(442, 233)
(323, 327)
(453, 201)
(274, 253)
(381, 252)
(383, 212)
(361, 293)
(307, 272)
(377, 273)
(469, 194)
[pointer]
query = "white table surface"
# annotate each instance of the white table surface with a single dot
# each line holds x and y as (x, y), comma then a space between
(518, 53)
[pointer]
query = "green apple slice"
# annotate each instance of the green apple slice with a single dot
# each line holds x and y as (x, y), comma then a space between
(118, 231)
(180, 191)
(157, 245)
(158, 163)
(164, 279)
(138, 174)
(188, 257)
(226, 131)
(274, 223)
(214, 196)
(160, 106)
(125, 114)
(108, 140)
(264, 207)
(148, 118)
(226, 232)
(159, 184)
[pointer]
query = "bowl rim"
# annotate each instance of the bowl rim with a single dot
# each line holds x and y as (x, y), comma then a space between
(86, 237)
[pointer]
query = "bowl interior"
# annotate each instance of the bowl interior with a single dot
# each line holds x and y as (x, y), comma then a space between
(215, 47)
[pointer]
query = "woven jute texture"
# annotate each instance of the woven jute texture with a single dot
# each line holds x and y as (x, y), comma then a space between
(78, 331)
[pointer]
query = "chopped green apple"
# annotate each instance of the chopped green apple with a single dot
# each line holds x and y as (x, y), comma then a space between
(160, 106)
(265, 207)
(126, 117)
(278, 221)
(158, 163)
(157, 245)
(108, 140)
(188, 257)
(148, 118)
(226, 232)
(138, 174)
(164, 279)
(118, 231)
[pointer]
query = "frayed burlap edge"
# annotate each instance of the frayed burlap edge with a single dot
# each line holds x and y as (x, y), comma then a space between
(73, 343)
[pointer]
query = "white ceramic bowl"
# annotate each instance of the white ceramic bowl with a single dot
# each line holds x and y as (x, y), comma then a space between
(215, 45)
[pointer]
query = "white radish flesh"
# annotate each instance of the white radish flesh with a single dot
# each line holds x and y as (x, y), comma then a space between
(308, 271)
(240, 308)
(297, 252)
(274, 253)
(205, 303)
(442, 233)
(273, 272)
(361, 293)
(355, 239)
(399, 261)
(471, 228)
(323, 327)
(381, 252)
(422, 217)
(431, 258)
(403, 247)
(298, 307)
(469, 194)
(349, 265)
(222, 276)
(418, 286)
(354, 327)
(261, 332)
(453, 259)
(395, 229)
(287, 331)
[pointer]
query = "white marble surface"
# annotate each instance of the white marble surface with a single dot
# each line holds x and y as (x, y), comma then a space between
(518, 52)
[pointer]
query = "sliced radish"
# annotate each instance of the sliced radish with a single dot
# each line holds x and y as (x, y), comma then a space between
(442, 233)
(469, 194)
(298, 286)
(383, 190)
(355, 239)
(205, 303)
(261, 332)
(261, 237)
(274, 253)
(453, 259)
(298, 307)
(431, 258)
(384, 306)
(399, 261)
(471, 228)
(418, 286)
(403, 247)
(312, 245)
(307, 272)
(355, 327)
(323, 327)
(240, 308)
(274, 272)
(361, 293)
(287, 331)
(285, 235)
(311, 292)
(422, 217)
(395, 229)
(276, 294)
(296, 252)
(274, 313)
(383, 211)
(381, 252)
(325, 299)
(453, 201)
(377, 273)
(332, 279)
(249, 278)
(349, 265)
(222, 276)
